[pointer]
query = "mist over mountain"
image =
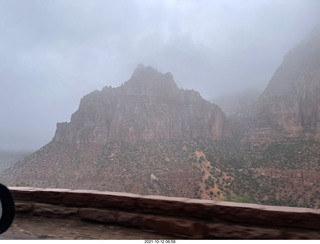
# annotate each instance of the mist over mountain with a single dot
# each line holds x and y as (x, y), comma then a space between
(140, 137)
(148, 136)
(8, 158)
(241, 102)
(288, 109)
(239, 109)
(66, 49)
(149, 106)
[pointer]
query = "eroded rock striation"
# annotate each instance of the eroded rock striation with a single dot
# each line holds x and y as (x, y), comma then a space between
(289, 108)
(139, 137)
(149, 107)
(150, 137)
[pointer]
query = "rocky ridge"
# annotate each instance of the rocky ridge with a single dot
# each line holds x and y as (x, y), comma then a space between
(149, 107)
(139, 137)
(289, 107)
(150, 137)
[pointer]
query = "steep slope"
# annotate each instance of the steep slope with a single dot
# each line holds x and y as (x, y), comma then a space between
(239, 109)
(139, 137)
(8, 158)
(279, 153)
(289, 108)
(150, 137)
(147, 107)
(275, 156)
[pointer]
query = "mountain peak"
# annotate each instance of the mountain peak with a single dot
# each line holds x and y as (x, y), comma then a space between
(146, 78)
(289, 106)
(141, 68)
(149, 107)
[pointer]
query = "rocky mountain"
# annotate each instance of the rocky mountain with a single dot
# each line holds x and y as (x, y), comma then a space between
(8, 158)
(289, 108)
(150, 137)
(149, 107)
(239, 109)
(139, 137)
(276, 160)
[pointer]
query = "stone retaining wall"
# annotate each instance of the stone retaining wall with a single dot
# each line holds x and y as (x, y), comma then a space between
(179, 217)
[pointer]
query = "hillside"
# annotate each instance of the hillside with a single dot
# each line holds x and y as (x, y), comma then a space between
(289, 107)
(132, 138)
(150, 137)
(8, 158)
(149, 106)
(277, 155)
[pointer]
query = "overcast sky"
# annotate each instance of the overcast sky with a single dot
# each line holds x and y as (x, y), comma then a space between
(54, 52)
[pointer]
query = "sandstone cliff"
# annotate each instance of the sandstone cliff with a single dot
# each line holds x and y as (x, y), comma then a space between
(289, 108)
(149, 106)
(140, 137)
(150, 137)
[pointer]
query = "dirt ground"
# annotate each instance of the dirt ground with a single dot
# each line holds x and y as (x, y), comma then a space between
(66, 229)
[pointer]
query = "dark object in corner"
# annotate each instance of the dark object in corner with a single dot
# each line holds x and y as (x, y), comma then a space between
(7, 210)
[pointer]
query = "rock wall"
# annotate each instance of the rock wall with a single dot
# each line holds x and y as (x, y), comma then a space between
(181, 217)
(149, 106)
(289, 107)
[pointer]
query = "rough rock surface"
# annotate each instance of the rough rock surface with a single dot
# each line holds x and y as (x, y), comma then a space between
(152, 138)
(289, 107)
(149, 106)
(137, 138)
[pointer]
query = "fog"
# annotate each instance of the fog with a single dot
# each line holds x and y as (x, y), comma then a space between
(55, 52)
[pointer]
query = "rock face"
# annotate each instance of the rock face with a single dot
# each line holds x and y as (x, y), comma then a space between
(150, 137)
(149, 107)
(289, 108)
(142, 137)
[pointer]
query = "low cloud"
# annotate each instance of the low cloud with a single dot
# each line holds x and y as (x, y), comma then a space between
(55, 52)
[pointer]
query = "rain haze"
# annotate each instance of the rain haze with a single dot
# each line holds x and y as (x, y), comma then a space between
(55, 52)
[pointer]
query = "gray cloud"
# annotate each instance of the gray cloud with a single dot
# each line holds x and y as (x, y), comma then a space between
(55, 52)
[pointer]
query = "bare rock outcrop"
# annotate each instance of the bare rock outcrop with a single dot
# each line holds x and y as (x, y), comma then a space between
(289, 108)
(149, 106)
(132, 138)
